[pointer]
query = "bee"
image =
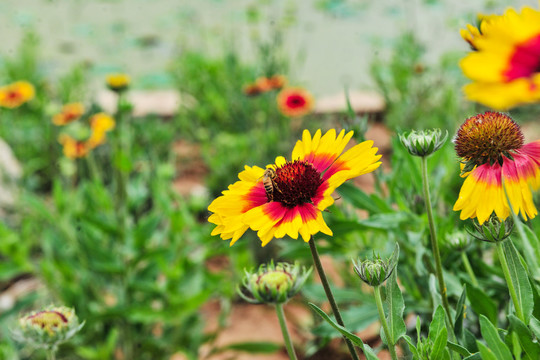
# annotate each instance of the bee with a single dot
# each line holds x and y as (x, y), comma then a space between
(269, 183)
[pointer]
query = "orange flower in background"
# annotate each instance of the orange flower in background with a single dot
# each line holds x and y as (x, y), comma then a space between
(295, 101)
(73, 149)
(265, 84)
(252, 90)
(100, 124)
(118, 82)
(16, 94)
(288, 197)
(70, 112)
(277, 82)
(505, 63)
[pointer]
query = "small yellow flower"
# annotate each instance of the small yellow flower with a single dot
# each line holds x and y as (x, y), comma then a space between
(16, 94)
(100, 124)
(70, 112)
(118, 82)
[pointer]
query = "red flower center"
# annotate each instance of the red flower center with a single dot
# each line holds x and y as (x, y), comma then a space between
(48, 319)
(296, 183)
(486, 137)
(13, 95)
(296, 101)
(525, 61)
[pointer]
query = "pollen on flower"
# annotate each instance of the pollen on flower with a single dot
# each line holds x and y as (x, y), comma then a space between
(484, 138)
(296, 183)
(48, 320)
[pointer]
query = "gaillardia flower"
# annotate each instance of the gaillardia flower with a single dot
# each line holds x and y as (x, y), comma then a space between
(100, 125)
(70, 112)
(16, 94)
(289, 196)
(295, 101)
(494, 158)
(73, 149)
(505, 66)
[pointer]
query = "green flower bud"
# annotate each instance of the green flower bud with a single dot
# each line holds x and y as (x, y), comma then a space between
(47, 328)
(374, 272)
(458, 240)
(273, 284)
(493, 230)
(424, 142)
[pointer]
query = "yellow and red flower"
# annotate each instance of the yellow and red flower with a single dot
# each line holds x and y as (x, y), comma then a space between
(505, 66)
(100, 124)
(16, 94)
(295, 101)
(70, 112)
(495, 158)
(290, 198)
(73, 148)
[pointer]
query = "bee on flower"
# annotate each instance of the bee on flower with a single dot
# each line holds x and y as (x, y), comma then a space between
(301, 189)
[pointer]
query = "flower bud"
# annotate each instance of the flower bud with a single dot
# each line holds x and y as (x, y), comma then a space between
(47, 328)
(493, 230)
(458, 240)
(424, 142)
(374, 272)
(273, 284)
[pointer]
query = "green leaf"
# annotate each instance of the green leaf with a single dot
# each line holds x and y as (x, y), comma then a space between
(368, 352)
(458, 348)
(437, 325)
(531, 247)
(395, 306)
(486, 352)
(525, 338)
(439, 345)
(482, 304)
(360, 200)
(496, 346)
(460, 313)
(520, 280)
(534, 324)
(412, 347)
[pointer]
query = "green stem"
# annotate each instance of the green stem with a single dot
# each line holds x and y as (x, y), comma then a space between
(509, 283)
(285, 332)
(121, 191)
(93, 168)
(51, 354)
(468, 268)
(382, 317)
(329, 295)
(434, 242)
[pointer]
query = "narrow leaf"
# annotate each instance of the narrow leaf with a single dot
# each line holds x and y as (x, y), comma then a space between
(525, 338)
(494, 342)
(439, 345)
(481, 303)
(519, 279)
(460, 313)
(368, 352)
(395, 306)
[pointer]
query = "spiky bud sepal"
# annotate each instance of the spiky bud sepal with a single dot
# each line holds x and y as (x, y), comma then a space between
(273, 284)
(374, 272)
(47, 328)
(424, 142)
(493, 230)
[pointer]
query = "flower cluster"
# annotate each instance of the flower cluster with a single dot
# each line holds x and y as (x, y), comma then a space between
(16, 94)
(505, 63)
(79, 146)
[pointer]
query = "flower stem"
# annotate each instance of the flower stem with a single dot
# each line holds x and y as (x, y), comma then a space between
(434, 242)
(329, 295)
(468, 268)
(382, 317)
(511, 288)
(51, 354)
(285, 332)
